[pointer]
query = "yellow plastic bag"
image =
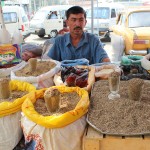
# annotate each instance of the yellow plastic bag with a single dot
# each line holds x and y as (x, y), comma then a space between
(7, 108)
(57, 121)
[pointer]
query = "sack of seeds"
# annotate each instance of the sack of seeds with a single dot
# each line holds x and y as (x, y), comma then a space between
(38, 72)
(10, 111)
(59, 129)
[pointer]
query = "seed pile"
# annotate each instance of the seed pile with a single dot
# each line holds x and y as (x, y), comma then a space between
(42, 67)
(68, 102)
(14, 95)
(121, 116)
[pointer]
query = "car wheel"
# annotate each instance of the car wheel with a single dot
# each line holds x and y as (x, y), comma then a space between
(53, 33)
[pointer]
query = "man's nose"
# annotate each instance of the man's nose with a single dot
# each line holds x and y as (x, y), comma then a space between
(77, 23)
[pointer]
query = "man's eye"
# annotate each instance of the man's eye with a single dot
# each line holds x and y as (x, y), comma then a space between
(81, 20)
(73, 19)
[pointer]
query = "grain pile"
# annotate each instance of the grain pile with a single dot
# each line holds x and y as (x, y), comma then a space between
(68, 102)
(14, 95)
(42, 67)
(121, 116)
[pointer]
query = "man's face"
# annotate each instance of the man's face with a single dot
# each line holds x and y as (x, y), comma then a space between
(76, 23)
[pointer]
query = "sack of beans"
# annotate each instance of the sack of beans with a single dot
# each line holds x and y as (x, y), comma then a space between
(38, 72)
(12, 95)
(55, 119)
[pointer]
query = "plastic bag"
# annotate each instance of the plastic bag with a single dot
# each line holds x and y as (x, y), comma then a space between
(42, 81)
(145, 62)
(56, 121)
(75, 62)
(6, 107)
(79, 81)
(9, 54)
(104, 71)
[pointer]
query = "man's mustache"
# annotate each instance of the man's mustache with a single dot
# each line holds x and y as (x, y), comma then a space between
(77, 27)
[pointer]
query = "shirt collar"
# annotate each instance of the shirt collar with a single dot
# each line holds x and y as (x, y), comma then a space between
(83, 40)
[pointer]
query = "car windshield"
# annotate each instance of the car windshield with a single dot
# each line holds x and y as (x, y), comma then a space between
(139, 19)
(40, 14)
(99, 13)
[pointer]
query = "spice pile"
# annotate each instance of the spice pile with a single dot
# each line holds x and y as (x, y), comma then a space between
(121, 116)
(69, 100)
(14, 95)
(42, 67)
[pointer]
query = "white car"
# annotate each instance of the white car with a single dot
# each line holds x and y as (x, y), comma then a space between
(15, 18)
(104, 16)
(42, 25)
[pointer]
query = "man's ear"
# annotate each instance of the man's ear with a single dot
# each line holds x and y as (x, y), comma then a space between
(85, 22)
(66, 22)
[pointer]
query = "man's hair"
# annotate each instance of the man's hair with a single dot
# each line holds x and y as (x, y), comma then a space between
(75, 10)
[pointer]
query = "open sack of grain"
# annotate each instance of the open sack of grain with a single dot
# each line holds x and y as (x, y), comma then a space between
(81, 76)
(38, 72)
(59, 129)
(103, 71)
(10, 111)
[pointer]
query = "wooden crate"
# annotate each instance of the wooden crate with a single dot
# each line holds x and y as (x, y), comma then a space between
(94, 140)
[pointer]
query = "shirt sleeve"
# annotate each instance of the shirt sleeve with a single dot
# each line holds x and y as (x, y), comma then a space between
(54, 52)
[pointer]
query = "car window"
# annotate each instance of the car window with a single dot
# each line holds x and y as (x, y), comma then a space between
(10, 17)
(122, 20)
(99, 13)
(139, 19)
(41, 15)
(25, 19)
(113, 13)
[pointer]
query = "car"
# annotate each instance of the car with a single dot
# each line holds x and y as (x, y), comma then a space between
(131, 35)
(104, 16)
(15, 18)
(42, 25)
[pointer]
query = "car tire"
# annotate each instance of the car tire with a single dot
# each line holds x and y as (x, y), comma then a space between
(41, 33)
(53, 33)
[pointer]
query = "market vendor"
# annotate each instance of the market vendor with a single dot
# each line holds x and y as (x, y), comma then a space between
(78, 44)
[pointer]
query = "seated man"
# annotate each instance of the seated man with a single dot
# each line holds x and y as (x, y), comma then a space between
(77, 44)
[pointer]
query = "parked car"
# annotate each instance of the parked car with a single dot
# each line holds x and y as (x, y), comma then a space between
(15, 18)
(104, 16)
(41, 24)
(131, 35)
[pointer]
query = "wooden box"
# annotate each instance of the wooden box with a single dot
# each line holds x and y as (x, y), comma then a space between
(94, 140)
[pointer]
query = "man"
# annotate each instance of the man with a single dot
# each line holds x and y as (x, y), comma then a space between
(77, 44)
